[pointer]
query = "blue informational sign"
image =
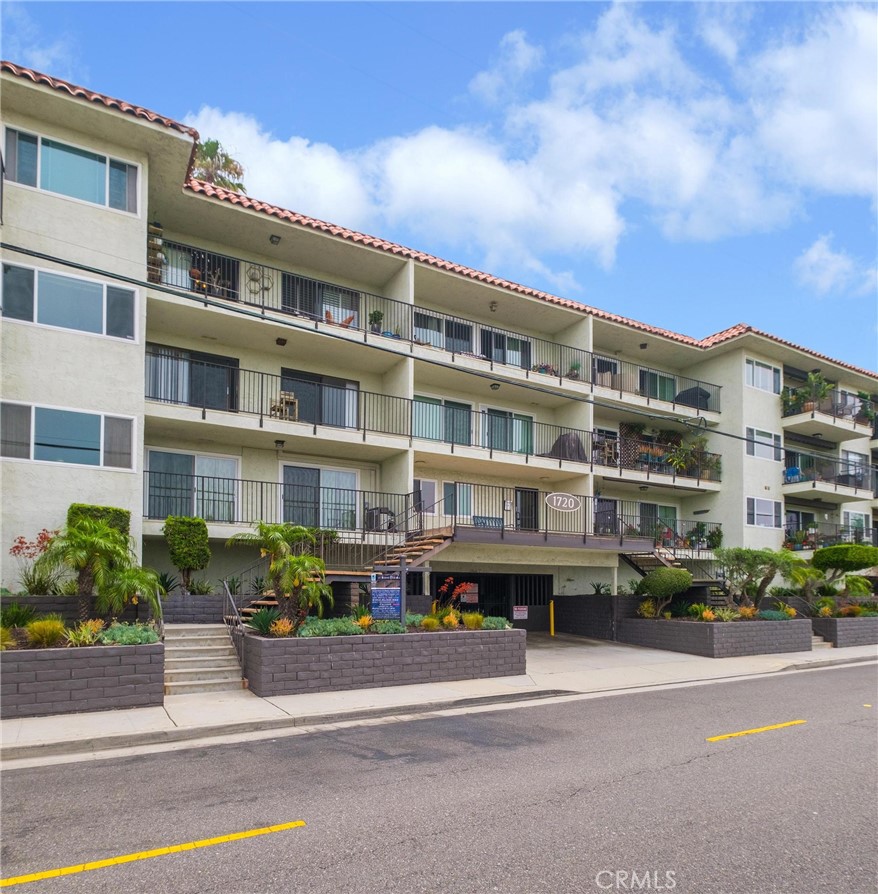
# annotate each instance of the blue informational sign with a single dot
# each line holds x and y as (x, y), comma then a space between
(386, 603)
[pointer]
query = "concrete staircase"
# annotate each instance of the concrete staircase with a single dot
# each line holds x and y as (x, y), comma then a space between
(200, 658)
(817, 642)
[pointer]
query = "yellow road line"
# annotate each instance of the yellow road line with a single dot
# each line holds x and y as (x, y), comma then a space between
(146, 855)
(761, 729)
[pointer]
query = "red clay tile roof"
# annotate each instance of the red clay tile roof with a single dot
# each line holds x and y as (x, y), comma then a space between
(89, 96)
(216, 192)
(245, 201)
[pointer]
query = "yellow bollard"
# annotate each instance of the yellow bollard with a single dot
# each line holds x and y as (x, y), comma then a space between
(551, 617)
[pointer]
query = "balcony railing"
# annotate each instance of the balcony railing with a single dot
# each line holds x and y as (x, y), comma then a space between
(818, 535)
(855, 407)
(234, 279)
(210, 386)
(803, 467)
(500, 509)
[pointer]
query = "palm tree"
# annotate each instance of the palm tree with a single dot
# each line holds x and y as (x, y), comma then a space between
(95, 551)
(214, 165)
(126, 585)
(276, 542)
(301, 581)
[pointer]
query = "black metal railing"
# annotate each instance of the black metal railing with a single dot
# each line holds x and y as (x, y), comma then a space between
(804, 467)
(234, 624)
(854, 406)
(241, 501)
(655, 458)
(503, 509)
(234, 279)
(820, 534)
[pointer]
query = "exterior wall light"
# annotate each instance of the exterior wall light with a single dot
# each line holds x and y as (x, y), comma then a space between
(279, 445)
(495, 386)
(274, 239)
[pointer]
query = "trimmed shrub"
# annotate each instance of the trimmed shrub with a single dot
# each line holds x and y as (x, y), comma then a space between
(188, 545)
(128, 635)
(769, 615)
(663, 584)
(493, 623)
(112, 515)
(45, 632)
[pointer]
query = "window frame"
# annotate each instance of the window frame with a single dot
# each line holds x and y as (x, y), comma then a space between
(138, 213)
(775, 446)
(320, 468)
(197, 496)
(777, 513)
(102, 416)
(105, 286)
(751, 364)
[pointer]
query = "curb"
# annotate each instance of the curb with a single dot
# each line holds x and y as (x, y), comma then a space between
(159, 737)
(832, 662)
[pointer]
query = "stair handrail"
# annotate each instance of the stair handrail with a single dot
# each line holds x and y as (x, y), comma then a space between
(234, 625)
(413, 511)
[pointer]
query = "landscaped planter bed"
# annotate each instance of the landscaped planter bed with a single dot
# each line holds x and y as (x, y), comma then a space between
(289, 665)
(842, 632)
(728, 639)
(36, 682)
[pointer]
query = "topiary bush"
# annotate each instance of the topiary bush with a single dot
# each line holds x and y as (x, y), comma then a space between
(663, 584)
(112, 515)
(188, 545)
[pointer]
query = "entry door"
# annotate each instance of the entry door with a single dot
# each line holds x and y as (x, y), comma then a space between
(527, 509)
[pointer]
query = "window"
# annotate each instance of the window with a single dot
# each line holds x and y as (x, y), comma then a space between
(438, 420)
(508, 349)
(856, 524)
(654, 384)
(763, 513)
(50, 299)
(323, 400)
(507, 431)
(190, 377)
(764, 444)
(69, 171)
(428, 329)
(425, 495)
(191, 484)
(65, 436)
(320, 498)
(762, 376)
(457, 499)
(658, 521)
(319, 300)
(604, 370)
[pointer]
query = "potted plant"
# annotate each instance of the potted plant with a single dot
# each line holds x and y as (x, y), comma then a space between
(575, 370)
(376, 317)
(714, 538)
(791, 400)
(818, 389)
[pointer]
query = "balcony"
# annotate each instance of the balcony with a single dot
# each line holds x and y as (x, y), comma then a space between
(306, 409)
(837, 417)
(818, 535)
(814, 477)
(422, 329)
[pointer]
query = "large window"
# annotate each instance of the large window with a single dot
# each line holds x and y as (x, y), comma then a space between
(507, 431)
(442, 420)
(191, 484)
(323, 400)
(50, 299)
(457, 499)
(320, 498)
(65, 436)
(452, 335)
(319, 300)
(763, 513)
(503, 348)
(176, 376)
(657, 385)
(764, 444)
(762, 376)
(79, 173)
(856, 524)
(424, 495)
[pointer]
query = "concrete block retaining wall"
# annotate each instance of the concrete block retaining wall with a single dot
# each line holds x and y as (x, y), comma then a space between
(328, 663)
(842, 632)
(718, 640)
(35, 682)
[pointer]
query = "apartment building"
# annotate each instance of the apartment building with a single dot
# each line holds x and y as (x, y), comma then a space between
(177, 349)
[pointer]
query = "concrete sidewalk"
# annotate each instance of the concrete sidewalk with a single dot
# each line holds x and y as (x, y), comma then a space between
(559, 667)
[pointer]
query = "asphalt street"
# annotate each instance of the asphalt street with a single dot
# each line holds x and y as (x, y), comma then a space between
(570, 797)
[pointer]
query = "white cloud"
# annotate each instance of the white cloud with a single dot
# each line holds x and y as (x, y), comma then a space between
(824, 270)
(628, 123)
(722, 26)
(24, 44)
(518, 59)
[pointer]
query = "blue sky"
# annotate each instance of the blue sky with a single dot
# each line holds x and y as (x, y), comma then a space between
(689, 165)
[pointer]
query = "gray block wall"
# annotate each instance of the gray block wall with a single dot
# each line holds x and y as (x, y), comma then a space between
(36, 682)
(718, 640)
(843, 632)
(595, 616)
(328, 663)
